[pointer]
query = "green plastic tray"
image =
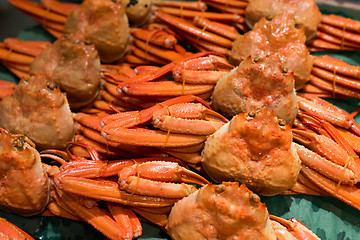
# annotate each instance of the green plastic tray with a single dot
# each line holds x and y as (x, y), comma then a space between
(328, 217)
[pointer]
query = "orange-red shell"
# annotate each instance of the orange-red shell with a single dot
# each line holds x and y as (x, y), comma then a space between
(224, 211)
(255, 151)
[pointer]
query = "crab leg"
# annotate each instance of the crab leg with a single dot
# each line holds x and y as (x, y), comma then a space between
(335, 65)
(325, 167)
(166, 88)
(126, 219)
(329, 112)
(188, 27)
(296, 228)
(216, 27)
(38, 10)
(327, 148)
(228, 7)
(59, 7)
(157, 51)
(341, 22)
(191, 5)
(145, 57)
(189, 14)
(338, 79)
(334, 87)
(6, 88)
(191, 118)
(95, 216)
(346, 193)
(10, 231)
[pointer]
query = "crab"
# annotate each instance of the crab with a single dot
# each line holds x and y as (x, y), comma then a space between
(276, 35)
(229, 211)
(74, 66)
(253, 148)
(27, 189)
(36, 108)
(254, 84)
(151, 45)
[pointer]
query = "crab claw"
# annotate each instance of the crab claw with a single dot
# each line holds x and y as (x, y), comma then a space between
(153, 179)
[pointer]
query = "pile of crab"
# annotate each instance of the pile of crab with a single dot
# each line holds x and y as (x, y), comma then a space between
(135, 105)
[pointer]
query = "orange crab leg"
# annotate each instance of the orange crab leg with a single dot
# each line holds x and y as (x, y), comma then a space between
(6, 88)
(220, 17)
(346, 193)
(335, 40)
(188, 27)
(203, 45)
(326, 147)
(329, 112)
(335, 65)
(135, 150)
(191, 5)
(146, 57)
(59, 7)
(156, 36)
(337, 79)
(163, 171)
(146, 114)
(10, 231)
(221, 7)
(163, 53)
(317, 45)
(333, 87)
(151, 138)
(36, 9)
(231, 3)
(166, 89)
(352, 37)
(216, 27)
(109, 191)
(325, 167)
(9, 56)
(161, 71)
(32, 48)
(95, 216)
(159, 219)
(341, 22)
(296, 228)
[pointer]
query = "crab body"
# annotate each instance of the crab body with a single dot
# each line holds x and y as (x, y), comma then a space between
(253, 150)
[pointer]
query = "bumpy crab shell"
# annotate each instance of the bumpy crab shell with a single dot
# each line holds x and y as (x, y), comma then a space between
(253, 149)
(24, 185)
(40, 111)
(263, 83)
(305, 12)
(74, 66)
(276, 35)
(105, 24)
(138, 11)
(224, 211)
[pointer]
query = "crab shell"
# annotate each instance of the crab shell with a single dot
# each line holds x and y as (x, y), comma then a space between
(255, 151)
(224, 211)
(276, 35)
(38, 110)
(74, 66)
(305, 13)
(104, 23)
(24, 185)
(138, 11)
(257, 84)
